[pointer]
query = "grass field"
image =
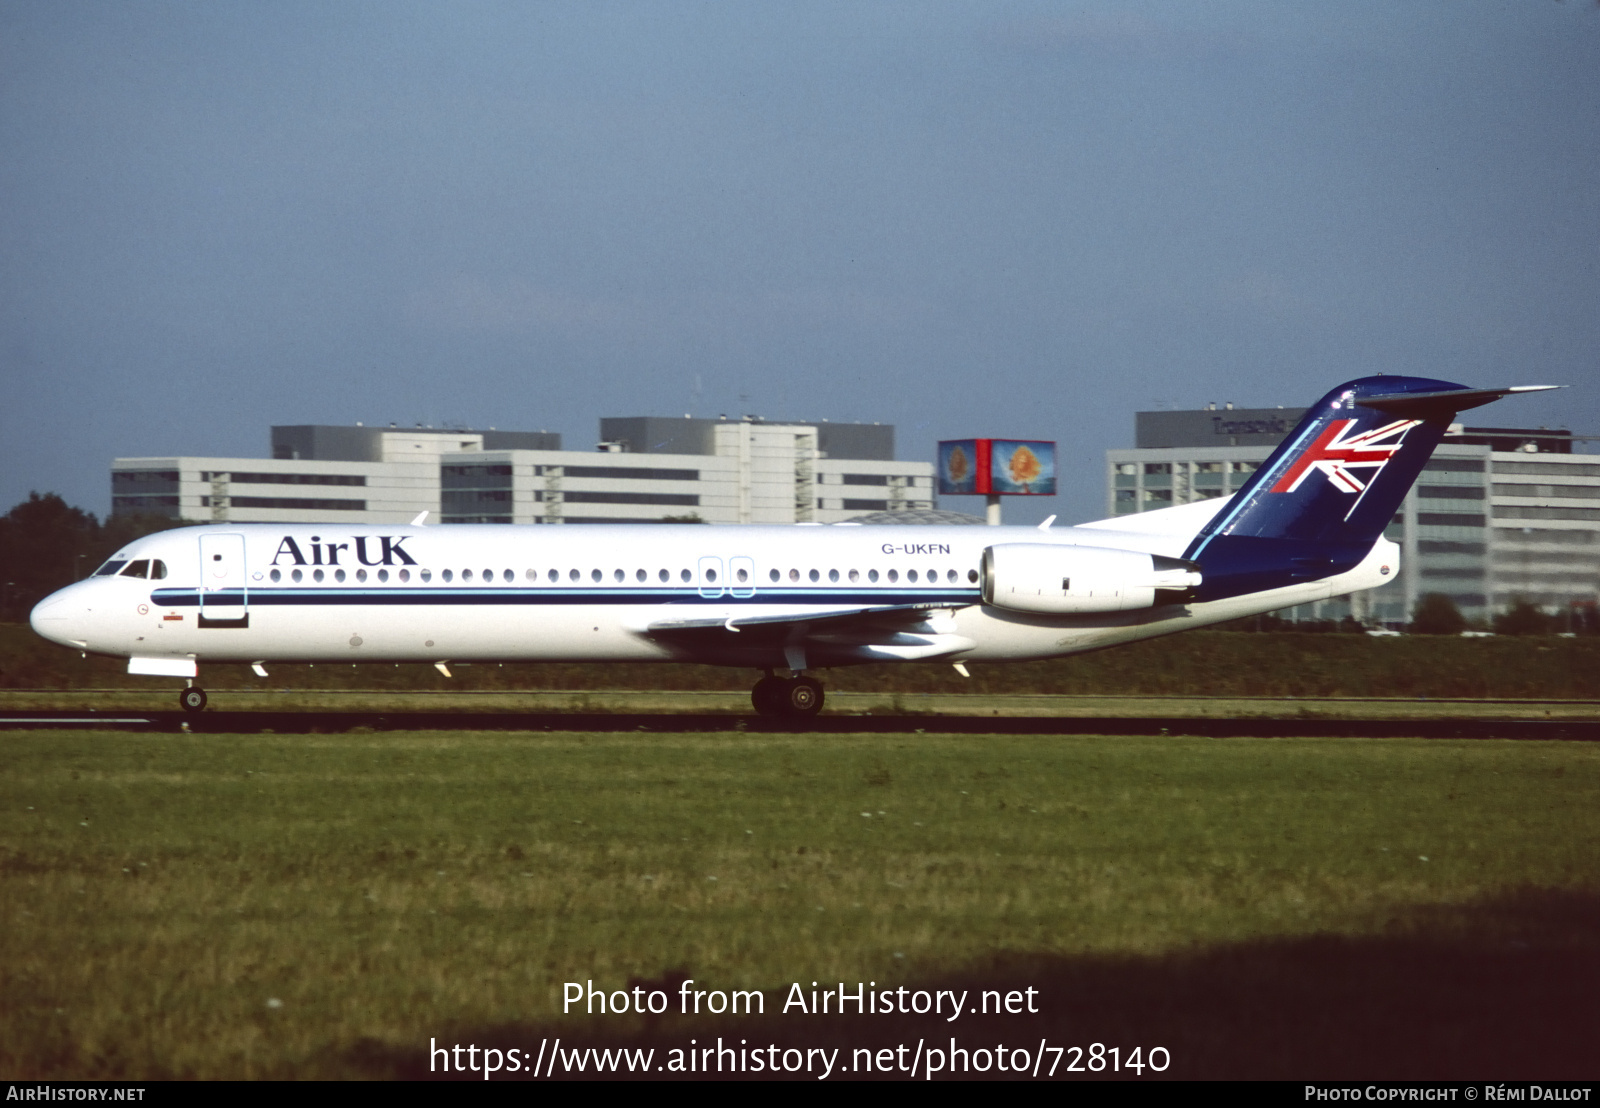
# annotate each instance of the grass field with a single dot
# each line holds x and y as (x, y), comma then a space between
(336, 703)
(1200, 663)
(274, 906)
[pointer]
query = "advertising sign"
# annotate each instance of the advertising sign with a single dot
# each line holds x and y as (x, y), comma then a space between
(997, 467)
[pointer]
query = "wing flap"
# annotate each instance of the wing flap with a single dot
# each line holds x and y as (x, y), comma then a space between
(841, 636)
(891, 615)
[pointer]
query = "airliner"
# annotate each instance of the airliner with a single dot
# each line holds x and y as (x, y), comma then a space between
(783, 600)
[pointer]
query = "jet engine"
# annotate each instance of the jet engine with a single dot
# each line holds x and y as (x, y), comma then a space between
(1045, 579)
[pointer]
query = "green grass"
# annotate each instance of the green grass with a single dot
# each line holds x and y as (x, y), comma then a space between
(1199, 663)
(157, 890)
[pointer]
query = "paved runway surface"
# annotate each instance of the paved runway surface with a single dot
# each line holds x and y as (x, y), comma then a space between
(334, 722)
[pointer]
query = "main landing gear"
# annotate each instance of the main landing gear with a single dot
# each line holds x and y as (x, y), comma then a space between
(795, 697)
(193, 699)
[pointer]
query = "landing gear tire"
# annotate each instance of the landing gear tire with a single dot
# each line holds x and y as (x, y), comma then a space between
(193, 699)
(768, 696)
(794, 697)
(802, 697)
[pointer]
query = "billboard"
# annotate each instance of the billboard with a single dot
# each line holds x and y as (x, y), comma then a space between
(997, 467)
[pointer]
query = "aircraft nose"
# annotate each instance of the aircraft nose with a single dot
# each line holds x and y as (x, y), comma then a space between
(61, 618)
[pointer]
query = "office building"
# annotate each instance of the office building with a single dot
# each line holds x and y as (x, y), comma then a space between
(645, 470)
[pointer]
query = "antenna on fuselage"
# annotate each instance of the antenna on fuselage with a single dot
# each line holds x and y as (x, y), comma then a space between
(422, 518)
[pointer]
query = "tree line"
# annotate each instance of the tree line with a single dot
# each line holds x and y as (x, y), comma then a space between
(45, 544)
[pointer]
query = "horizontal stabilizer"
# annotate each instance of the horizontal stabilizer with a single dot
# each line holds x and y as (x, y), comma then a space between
(1422, 405)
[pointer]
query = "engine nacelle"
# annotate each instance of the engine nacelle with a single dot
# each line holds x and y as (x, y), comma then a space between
(1046, 579)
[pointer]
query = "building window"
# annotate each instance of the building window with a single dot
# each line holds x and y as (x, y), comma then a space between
(290, 478)
(1546, 492)
(687, 500)
(630, 473)
(1503, 511)
(1547, 469)
(298, 504)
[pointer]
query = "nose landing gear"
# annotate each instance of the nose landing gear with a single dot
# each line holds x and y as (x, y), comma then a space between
(192, 699)
(795, 697)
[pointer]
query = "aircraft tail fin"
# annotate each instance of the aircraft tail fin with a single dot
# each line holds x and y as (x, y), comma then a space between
(1325, 495)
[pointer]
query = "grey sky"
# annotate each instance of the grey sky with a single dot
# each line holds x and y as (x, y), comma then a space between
(1011, 219)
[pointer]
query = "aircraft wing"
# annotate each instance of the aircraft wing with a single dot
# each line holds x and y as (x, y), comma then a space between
(895, 632)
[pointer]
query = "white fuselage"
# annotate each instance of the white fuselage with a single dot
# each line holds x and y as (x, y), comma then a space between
(325, 593)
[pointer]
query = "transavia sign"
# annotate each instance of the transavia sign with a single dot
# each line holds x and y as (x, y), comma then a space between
(1276, 425)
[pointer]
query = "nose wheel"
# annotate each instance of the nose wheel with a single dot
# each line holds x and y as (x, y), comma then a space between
(192, 699)
(794, 697)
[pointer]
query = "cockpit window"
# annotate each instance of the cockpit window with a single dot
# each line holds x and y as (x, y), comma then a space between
(110, 568)
(140, 568)
(158, 569)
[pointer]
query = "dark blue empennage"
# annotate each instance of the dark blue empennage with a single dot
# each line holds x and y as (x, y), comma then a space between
(1317, 505)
